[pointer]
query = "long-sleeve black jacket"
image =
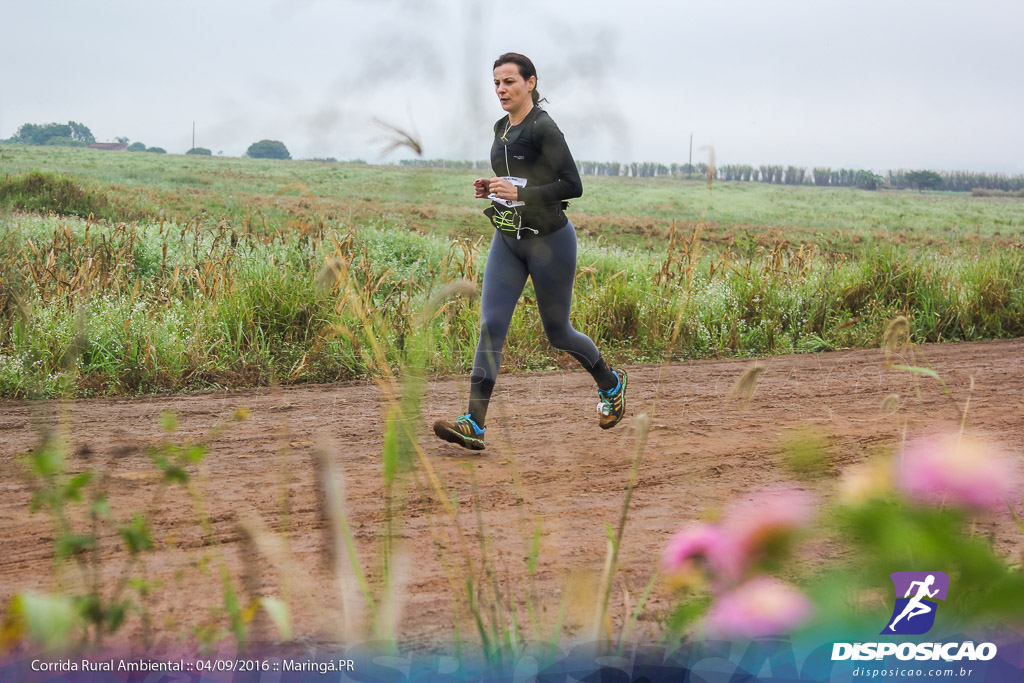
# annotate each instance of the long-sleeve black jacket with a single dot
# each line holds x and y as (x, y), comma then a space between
(535, 149)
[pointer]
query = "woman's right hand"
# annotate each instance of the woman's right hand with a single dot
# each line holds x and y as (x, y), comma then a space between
(480, 185)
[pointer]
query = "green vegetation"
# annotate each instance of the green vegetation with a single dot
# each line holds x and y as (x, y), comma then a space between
(46, 192)
(71, 134)
(239, 273)
(200, 151)
(268, 149)
(924, 180)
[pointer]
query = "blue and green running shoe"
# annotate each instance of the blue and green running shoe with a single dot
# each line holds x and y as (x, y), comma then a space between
(612, 406)
(464, 432)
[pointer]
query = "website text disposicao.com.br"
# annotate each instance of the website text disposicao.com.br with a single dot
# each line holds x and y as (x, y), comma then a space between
(899, 672)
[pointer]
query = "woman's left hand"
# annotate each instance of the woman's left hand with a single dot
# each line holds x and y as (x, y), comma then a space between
(503, 189)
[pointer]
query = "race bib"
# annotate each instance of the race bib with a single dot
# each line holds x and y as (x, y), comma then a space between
(518, 182)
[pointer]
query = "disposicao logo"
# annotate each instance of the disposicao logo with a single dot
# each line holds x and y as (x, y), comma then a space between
(913, 615)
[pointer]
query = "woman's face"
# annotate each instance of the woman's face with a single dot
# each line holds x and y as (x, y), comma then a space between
(512, 90)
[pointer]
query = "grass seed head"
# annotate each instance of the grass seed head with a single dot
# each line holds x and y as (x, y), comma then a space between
(331, 274)
(398, 138)
(747, 382)
(890, 404)
(897, 335)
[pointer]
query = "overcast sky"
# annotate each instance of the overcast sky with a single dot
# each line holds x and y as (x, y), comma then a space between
(868, 84)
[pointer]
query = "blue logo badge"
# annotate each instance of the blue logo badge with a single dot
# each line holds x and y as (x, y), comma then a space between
(914, 613)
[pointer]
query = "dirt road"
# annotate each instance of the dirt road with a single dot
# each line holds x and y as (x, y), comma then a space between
(547, 466)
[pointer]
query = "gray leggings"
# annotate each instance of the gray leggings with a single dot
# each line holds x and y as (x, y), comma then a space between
(551, 262)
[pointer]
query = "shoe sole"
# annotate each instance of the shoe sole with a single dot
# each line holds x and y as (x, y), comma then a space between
(625, 385)
(458, 439)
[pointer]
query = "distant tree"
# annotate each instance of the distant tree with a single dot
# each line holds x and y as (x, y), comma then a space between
(772, 174)
(924, 180)
(32, 134)
(137, 147)
(81, 133)
(156, 150)
(201, 151)
(120, 139)
(268, 149)
(867, 180)
(71, 133)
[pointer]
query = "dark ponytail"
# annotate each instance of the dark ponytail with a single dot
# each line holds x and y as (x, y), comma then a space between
(526, 70)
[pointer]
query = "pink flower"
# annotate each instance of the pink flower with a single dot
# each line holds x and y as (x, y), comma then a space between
(764, 606)
(758, 526)
(954, 470)
(691, 546)
(749, 532)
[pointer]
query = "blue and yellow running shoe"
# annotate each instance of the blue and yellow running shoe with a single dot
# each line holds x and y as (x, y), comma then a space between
(612, 406)
(464, 431)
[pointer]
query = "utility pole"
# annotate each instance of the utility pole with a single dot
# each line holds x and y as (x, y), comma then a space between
(194, 137)
(689, 164)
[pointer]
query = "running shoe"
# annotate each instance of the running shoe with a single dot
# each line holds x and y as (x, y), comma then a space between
(464, 431)
(612, 406)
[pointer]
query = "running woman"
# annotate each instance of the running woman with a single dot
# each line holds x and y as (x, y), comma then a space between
(535, 175)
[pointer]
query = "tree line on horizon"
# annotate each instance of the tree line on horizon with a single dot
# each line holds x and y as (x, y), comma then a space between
(76, 134)
(73, 134)
(820, 176)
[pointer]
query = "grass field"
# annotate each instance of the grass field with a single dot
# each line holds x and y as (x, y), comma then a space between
(198, 272)
(621, 210)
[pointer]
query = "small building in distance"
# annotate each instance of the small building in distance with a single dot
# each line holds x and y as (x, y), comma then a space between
(109, 146)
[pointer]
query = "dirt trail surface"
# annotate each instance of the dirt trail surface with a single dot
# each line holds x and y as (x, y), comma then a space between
(546, 463)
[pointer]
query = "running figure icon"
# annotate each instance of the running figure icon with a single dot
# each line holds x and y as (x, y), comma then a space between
(916, 606)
